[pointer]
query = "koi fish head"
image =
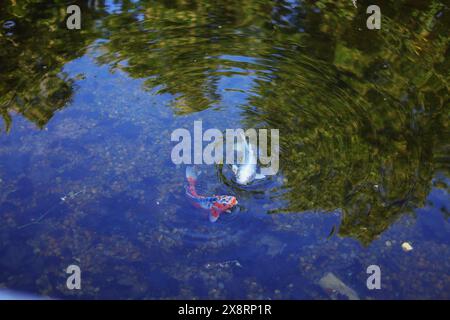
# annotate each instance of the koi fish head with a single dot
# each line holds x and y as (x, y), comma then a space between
(221, 204)
(224, 203)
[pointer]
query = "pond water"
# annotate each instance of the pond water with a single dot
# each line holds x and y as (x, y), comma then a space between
(86, 175)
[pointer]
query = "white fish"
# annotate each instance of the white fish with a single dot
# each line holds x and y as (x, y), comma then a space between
(246, 172)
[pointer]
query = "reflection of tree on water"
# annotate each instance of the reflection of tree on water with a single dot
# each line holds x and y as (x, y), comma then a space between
(365, 131)
(362, 112)
(34, 51)
(177, 46)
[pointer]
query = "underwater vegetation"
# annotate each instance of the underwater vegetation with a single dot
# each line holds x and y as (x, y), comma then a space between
(87, 116)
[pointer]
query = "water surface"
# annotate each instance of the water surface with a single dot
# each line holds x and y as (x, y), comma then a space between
(86, 176)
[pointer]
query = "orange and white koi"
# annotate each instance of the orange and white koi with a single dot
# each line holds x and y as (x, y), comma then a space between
(215, 204)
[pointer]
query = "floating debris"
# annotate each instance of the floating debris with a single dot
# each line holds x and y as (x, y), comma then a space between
(70, 195)
(332, 284)
(333, 229)
(406, 247)
(223, 264)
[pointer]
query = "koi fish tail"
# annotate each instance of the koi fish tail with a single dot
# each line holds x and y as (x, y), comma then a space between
(191, 173)
(191, 177)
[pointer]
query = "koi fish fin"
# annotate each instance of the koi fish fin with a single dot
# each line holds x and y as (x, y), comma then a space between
(213, 215)
(259, 176)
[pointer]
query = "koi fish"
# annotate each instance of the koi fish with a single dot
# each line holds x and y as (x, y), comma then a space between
(215, 204)
(246, 172)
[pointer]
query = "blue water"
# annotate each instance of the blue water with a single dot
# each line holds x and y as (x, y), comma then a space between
(96, 187)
